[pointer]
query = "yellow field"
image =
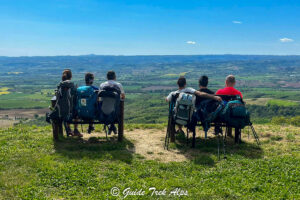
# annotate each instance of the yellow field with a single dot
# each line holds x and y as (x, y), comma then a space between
(175, 75)
(4, 90)
(16, 73)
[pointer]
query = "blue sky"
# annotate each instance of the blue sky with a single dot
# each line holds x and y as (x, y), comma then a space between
(149, 27)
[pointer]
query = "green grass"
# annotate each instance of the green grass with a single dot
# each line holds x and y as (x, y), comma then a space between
(32, 166)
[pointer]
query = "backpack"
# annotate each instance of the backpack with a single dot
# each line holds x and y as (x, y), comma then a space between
(87, 104)
(184, 108)
(235, 114)
(65, 97)
(109, 104)
(207, 111)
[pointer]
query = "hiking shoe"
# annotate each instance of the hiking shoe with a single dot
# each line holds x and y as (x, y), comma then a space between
(180, 132)
(77, 133)
(90, 129)
(69, 132)
(112, 128)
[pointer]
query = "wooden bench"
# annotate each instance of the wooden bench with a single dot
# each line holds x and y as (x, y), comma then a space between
(228, 129)
(57, 126)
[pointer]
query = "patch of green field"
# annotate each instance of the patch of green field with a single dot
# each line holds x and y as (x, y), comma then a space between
(279, 102)
(32, 166)
(21, 100)
(257, 101)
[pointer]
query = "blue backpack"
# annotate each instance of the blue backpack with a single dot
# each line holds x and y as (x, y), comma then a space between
(235, 114)
(87, 104)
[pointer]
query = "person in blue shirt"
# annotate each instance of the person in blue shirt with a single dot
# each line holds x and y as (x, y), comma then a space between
(89, 80)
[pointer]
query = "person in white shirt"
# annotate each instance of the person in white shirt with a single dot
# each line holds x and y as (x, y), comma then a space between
(182, 88)
(111, 81)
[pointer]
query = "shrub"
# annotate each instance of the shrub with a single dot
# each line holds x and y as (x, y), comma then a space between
(295, 121)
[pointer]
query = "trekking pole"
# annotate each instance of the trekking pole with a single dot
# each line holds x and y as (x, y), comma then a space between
(218, 146)
(248, 132)
(167, 138)
(224, 144)
(105, 130)
(167, 135)
(255, 134)
(187, 136)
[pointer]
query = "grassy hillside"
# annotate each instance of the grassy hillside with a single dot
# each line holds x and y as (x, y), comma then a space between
(32, 166)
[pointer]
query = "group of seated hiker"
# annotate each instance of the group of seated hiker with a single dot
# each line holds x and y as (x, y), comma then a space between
(89, 81)
(202, 96)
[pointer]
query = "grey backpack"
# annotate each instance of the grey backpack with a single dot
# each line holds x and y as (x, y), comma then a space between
(184, 108)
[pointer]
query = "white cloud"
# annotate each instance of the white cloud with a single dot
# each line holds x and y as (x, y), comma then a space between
(191, 42)
(237, 22)
(286, 40)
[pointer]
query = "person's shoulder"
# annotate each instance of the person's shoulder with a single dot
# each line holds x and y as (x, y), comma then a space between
(94, 87)
(118, 83)
(190, 90)
(237, 90)
(103, 83)
(173, 93)
(219, 91)
(210, 91)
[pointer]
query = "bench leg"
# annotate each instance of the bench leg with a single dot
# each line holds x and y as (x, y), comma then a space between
(237, 136)
(172, 133)
(55, 130)
(229, 131)
(60, 130)
(121, 123)
(194, 139)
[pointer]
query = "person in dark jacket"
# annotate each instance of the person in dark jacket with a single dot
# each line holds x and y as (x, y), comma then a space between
(203, 82)
(66, 78)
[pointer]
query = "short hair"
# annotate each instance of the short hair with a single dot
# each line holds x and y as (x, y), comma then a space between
(181, 82)
(111, 75)
(203, 81)
(89, 78)
(230, 79)
(66, 75)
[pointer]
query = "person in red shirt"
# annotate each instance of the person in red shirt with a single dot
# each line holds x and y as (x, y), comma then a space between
(229, 89)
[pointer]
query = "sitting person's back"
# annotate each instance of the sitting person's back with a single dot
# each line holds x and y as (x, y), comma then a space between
(229, 89)
(89, 80)
(108, 105)
(111, 82)
(203, 82)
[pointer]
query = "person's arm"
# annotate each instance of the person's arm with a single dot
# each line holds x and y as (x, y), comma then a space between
(169, 97)
(122, 91)
(122, 96)
(208, 96)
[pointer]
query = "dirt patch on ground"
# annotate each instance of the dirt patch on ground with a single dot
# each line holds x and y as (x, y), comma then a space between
(150, 144)
(7, 123)
(22, 113)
